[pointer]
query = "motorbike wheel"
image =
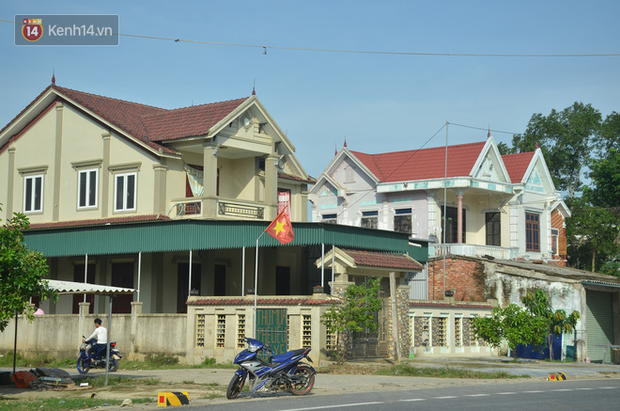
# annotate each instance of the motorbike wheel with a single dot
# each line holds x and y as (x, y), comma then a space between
(83, 365)
(234, 387)
(306, 381)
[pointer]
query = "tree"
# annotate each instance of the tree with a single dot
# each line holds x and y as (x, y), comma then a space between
(354, 312)
(594, 228)
(557, 322)
(512, 324)
(21, 271)
(567, 139)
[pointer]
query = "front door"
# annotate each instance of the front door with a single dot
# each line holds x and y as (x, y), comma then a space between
(183, 284)
(122, 276)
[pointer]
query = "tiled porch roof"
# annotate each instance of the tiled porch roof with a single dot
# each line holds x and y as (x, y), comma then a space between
(384, 260)
(100, 222)
(214, 301)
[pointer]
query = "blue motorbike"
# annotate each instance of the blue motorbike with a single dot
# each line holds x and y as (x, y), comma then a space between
(281, 372)
(98, 358)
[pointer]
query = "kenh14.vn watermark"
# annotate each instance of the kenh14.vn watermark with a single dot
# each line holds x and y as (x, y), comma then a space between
(66, 30)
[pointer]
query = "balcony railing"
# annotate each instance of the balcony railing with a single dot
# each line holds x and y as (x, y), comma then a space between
(213, 208)
(473, 250)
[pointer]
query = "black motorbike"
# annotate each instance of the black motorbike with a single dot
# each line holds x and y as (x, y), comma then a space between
(84, 364)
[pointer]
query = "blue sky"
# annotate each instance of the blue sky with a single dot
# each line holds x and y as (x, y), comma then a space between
(380, 103)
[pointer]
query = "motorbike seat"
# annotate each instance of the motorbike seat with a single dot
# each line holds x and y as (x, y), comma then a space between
(280, 358)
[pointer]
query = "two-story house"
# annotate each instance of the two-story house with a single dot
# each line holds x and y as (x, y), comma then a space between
(481, 203)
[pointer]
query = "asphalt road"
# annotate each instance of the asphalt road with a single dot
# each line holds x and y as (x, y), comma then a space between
(565, 395)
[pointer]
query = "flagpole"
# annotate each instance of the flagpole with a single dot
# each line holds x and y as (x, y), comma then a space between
(256, 286)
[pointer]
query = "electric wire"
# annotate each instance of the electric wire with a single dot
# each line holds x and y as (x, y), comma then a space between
(264, 48)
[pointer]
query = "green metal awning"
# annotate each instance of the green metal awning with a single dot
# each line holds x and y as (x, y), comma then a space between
(167, 236)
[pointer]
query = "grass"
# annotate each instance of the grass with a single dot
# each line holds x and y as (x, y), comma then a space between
(444, 372)
(62, 404)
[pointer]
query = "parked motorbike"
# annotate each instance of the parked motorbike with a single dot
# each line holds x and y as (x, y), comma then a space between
(282, 372)
(98, 359)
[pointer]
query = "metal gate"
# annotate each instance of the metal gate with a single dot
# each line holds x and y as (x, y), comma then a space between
(599, 324)
(367, 344)
(271, 328)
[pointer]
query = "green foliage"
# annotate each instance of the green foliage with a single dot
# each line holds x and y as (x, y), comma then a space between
(557, 321)
(21, 271)
(158, 360)
(512, 324)
(356, 311)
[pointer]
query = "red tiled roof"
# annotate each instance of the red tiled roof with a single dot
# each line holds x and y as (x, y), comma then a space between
(424, 164)
(309, 180)
(517, 164)
(153, 124)
(377, 259)
(441, 304)
(101, 221)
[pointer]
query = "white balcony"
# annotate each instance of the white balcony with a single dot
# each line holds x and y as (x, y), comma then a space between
(473, 250)
(198, 207)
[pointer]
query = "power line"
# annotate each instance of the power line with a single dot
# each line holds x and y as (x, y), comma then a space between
(264, 48)
(484, 129)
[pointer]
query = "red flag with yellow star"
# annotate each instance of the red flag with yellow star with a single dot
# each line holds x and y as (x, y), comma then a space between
(281, 228)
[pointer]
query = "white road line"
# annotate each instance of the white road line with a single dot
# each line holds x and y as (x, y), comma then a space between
(533, 391)
(506, 393)
(563, 389)
(584, 389)
(445, 398)
(334, 406)
(478, 395)
(607, 388)
(413, 399)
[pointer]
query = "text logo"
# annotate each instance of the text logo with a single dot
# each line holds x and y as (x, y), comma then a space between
(66, 30)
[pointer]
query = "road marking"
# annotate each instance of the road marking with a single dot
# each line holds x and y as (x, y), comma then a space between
(533, 391)
(334, 406)
(413, 399)
(562, 389)
(584, 389)
(445, 398)
(506, 393)
(607, 388)
(478, 395)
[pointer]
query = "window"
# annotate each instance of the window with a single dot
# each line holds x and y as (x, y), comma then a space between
(493, 229)
(330, 218)
(555, 233)
(532, 232)
(402, 220)
(33, 194)
(370, 219)
(125, 193)
(87, 188)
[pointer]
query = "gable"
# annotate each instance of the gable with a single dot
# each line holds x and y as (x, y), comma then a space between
(489, 165)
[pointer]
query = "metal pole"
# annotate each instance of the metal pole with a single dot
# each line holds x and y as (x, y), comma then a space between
(139, 273)
(85, 272)
(445, 191)
(243, 272)
(322, 264)
(256, 287)
(331, 289)
(189, 286)
(107, 348)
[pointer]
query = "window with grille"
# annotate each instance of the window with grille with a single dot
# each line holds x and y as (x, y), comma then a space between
(370, 219)
(306, 335)
(200, 330)
(329, 218)
(439, 331)
(421, 329)
(240, 330)
(220, 332)
(402, 220)
(458, 332)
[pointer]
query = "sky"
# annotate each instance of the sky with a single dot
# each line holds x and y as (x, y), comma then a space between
(380, 101)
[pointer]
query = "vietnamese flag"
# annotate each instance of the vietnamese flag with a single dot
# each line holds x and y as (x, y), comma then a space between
(281, 228)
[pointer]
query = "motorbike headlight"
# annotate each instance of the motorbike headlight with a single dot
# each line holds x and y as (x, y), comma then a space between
(253, 348)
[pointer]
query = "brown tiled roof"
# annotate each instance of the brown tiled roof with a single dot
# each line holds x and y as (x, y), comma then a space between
(517, 164)
(424, 164)
(99, 222)
(442, 304)
(153, 124)
(377, 259)
(309, 180)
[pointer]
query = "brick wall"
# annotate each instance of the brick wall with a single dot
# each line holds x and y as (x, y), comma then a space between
(465, 277)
